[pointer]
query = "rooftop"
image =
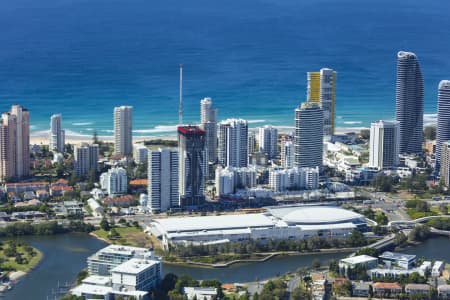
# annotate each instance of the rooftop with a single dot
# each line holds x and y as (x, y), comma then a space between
(135, 266)
(214, 222)
(397, 256)
(190, 129)
(125, 250)
(387, 285)
(417, 286)
(97, 280)
(358, 259)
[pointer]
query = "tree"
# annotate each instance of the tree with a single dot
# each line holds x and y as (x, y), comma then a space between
(443, 209)
(429, 133)
(419, 233)
(382, 183)
(364, 134)
(400, 239)
(381, 218)
(315, 263)
(357, 239)
(104, 224)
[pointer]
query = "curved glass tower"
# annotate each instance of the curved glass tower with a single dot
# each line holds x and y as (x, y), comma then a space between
(443, 119)
(308, 139)
(409, 102)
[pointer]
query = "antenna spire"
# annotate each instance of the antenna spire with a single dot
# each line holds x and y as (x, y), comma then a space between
(180, 107)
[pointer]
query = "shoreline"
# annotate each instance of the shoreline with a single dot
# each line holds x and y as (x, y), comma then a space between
(268, 256)
(15, 276)
(40, 138)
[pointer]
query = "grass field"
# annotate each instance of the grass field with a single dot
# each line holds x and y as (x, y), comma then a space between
(131, 236)
(30, 257)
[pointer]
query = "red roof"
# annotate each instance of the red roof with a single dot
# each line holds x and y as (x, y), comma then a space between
(387, 285)
(191, 129)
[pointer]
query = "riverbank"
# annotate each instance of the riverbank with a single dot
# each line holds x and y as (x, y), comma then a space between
(17, 260)
(265, 257)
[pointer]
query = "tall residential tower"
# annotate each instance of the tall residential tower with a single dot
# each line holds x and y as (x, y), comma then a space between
(268, 141)
(192, 165)
(57, 134)
(208, 122)
(308, 138)
(233, 143)
(383, 146)
(15, 143)
(123, 126)
(163, 180)
(443, 119)
(409, 102)
(322, 89)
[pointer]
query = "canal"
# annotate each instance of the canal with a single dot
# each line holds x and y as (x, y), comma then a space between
(65, 256)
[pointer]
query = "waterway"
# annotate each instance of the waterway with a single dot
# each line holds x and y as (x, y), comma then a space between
(65, 256)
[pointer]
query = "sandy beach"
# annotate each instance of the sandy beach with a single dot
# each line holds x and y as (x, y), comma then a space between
(42, 139)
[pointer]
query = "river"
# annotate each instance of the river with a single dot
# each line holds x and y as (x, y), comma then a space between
(65, 256)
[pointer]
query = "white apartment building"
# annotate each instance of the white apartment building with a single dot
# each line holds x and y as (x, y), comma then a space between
(163, 192)
(281, 180)
(105, 260)
(57, 134)
(115, 181)
(136, 275)
(229, 179)
(233, 143)
(140, 153)
(208, 123)
(384, 144)
(86, 158)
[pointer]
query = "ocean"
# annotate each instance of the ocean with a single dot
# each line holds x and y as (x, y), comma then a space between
(81, 58)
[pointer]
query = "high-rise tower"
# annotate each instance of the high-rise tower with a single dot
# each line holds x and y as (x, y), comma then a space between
(443, 119)
(268, 141)
(233, 143)
(208, 123)
(123, 126)
(192, 165)
(308, 138)
(57, 134)
(322, 89)
(383, 146)
(409, 102)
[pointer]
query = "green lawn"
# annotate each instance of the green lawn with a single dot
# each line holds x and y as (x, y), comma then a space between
(131, 236)
(29, 260)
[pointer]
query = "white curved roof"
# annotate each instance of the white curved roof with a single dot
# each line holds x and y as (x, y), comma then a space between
(320, 215)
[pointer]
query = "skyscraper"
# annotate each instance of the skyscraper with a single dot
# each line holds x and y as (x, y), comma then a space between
(443, 118)
(322, 89)
(287, 152)
(445, 163)
(57, 134)
(233, 143)
(123, 126)
(409, 102)
(268, 141)
(192, 165)
(308, 139)
(163, 180)
(383, 146)
(251, 142)
(15, 143)
(208, 122)
(86, 158)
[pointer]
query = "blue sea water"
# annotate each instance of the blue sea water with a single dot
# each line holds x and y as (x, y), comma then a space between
(83, 57)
